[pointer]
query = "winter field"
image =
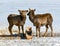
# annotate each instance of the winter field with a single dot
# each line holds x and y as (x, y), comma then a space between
(42, 6)
(35, 41)
(48, 41)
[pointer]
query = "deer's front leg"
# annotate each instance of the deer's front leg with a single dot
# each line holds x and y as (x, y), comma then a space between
(23, 28)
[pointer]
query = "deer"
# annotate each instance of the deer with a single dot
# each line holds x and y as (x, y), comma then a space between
(18, 20)
(39, 20)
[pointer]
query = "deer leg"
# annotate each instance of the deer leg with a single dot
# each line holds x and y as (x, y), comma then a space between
(36, 31)
(22, 28)
(51, 30)
(19, 29)
(39, 31)
(46, 31)
(10, 27)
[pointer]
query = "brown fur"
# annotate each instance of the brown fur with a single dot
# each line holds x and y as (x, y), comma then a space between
(28, 33)
(39, 20)
(18, 20)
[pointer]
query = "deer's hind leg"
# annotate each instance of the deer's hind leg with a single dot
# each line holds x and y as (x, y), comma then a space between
(51, 30)
(46, 31)
(19, 29)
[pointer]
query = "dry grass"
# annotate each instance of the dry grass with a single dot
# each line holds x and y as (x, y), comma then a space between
(6, 32)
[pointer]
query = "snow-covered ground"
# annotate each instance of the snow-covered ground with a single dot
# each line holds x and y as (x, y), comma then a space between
(48, 41)
(42, 6)
(35, 41)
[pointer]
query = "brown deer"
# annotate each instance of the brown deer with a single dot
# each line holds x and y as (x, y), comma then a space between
(18, 20)
(39, 20)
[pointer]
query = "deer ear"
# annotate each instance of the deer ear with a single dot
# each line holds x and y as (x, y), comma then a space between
(26, 10)
(19, 10)
(34, 9)
(29, 9)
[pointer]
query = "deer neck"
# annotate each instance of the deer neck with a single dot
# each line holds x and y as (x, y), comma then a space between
(31, 17)
(23, 17)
